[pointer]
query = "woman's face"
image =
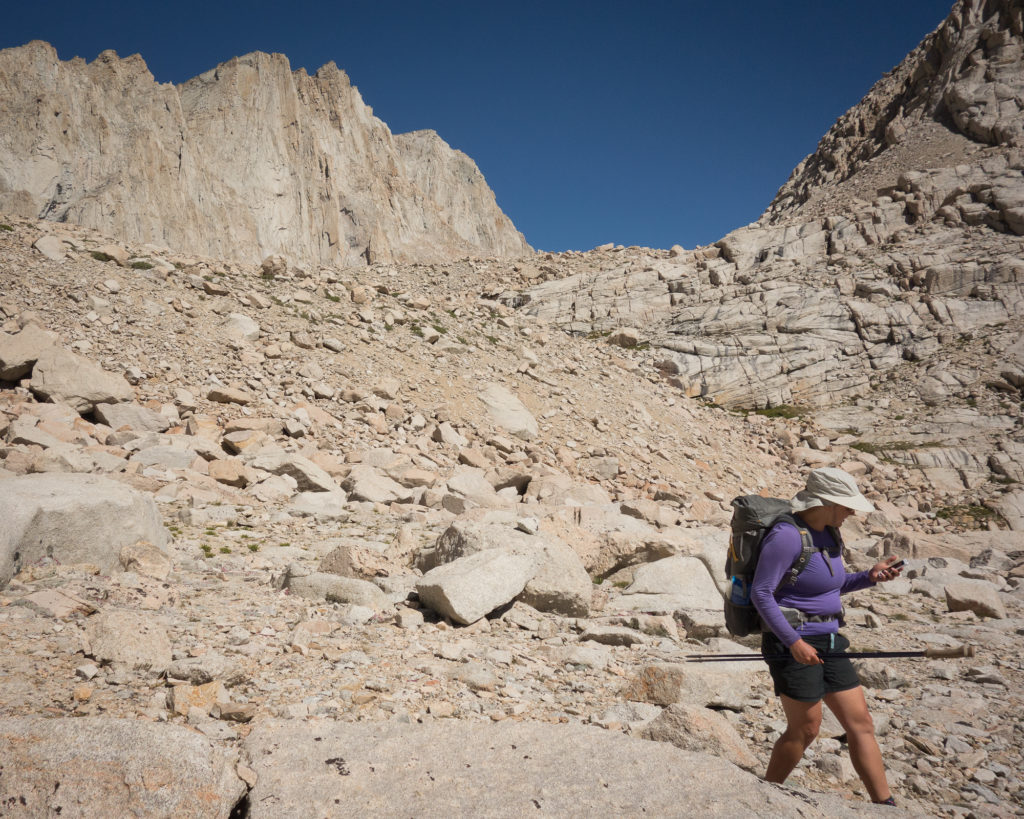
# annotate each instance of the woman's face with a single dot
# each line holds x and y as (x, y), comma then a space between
(840, 514)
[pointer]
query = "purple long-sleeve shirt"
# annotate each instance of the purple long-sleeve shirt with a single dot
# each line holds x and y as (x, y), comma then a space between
(816, 591)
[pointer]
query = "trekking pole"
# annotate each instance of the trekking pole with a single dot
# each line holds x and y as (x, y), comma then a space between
(931, 653)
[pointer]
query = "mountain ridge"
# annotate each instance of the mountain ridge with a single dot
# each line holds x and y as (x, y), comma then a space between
(306, 170)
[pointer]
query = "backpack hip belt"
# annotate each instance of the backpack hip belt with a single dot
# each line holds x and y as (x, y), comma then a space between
(797, 618)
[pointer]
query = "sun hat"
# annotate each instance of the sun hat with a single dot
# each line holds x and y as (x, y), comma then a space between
(831, 486)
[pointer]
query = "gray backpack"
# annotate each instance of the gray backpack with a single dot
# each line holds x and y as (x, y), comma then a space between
(752, 518)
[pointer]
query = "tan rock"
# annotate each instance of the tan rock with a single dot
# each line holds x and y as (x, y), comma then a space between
(144, 558)
(204, 697)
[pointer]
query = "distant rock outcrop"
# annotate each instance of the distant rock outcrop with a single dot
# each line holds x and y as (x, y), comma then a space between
(965, 76)
(902, 234)
(246, 160)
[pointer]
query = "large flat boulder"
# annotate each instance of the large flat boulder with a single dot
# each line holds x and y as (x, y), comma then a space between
(560, 583)
(102, 766)
(61, 376)
(73, 519)
(471, 587)
(450, 768)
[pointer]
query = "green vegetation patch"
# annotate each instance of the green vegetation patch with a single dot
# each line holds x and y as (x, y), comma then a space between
(100, 256)
(978, 513)
(8, 228)
(781, 411)
(140, 265)
(892, 446)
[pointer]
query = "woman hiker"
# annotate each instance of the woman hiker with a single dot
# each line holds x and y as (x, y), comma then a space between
(802, 619)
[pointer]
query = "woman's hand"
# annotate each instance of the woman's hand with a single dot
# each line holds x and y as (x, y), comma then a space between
(804, 653)
(885, 570)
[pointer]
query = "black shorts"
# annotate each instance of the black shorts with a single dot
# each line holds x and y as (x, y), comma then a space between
(810, 683)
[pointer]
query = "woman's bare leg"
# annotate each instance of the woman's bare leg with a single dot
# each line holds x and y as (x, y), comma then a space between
(803, 721)
(851, 709)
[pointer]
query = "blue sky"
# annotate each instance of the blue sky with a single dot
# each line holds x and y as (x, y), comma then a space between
(641, 123)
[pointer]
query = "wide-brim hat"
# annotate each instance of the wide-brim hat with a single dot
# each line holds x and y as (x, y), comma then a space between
(830, 485)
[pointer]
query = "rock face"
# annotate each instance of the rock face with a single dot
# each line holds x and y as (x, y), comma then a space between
(966, 74)
(320, 180)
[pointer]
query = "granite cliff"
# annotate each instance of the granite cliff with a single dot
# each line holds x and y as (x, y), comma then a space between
(246, 160)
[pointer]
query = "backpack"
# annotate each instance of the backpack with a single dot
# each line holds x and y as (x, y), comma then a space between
(752, 518)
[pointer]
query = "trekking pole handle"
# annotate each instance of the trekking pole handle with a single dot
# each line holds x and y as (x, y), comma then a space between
(955, 651)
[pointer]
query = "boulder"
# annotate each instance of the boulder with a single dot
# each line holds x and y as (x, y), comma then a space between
(468, 535)
(146, 559)
(469, 483)
(308, 476)
(206, 668)
(700, 729)
(51, 247)
(90, 766)
(20, 351)
(63, 377)
(320, 505)
(239, 327)
(471, 587)
(72, 519)
(337, 589)
(978, 596)
(365, 483)
(307, 768)
(509, 412)
(133, 416)
(676, 584)
(560, 584)
(715, 685)
(129, 638)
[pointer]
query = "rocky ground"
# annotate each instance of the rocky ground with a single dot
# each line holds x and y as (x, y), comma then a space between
(321, 483)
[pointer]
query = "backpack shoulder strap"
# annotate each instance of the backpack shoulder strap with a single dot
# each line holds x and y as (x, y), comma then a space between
(807, 551)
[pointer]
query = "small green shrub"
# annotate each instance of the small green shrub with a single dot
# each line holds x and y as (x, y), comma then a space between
(253, 547)
(206, 549)
(225, 550)
(140, 265)
(7, 228)
(416, 330)
(100, 256)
